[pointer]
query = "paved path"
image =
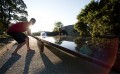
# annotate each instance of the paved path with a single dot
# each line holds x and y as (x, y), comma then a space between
(52, 61)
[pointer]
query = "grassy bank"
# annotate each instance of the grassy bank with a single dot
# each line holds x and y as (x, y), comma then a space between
(4, 40)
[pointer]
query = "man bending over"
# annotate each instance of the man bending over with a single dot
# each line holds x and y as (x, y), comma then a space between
(16, 32)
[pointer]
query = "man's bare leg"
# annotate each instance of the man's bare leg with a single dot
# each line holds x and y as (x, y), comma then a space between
(27, 43)
(18, 47)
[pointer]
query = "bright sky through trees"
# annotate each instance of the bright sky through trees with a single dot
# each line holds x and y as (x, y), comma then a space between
(47, 12)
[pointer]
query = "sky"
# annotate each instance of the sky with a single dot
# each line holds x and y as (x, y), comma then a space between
(48, 12)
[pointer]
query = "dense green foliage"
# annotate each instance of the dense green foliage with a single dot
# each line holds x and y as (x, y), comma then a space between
(101, 18)
(57, 25)
(11, 10)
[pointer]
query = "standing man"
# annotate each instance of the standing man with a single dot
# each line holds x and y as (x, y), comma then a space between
(16, 32)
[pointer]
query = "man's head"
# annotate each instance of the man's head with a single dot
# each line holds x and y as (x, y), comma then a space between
(32, 20)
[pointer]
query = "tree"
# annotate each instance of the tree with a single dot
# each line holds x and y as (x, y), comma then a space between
(102, 16)
(57, 25)
(81, 27)
(12, 10)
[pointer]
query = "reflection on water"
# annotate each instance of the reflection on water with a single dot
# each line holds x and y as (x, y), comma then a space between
(100, 48)
(100, 51)
(103, 49)
(69, 45)
(96, 47)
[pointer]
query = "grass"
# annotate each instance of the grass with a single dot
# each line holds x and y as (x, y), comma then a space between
(4, 40)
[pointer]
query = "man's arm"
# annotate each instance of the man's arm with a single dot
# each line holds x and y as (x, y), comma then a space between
(30, 34)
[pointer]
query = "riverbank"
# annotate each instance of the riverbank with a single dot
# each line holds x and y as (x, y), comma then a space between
(5, 45)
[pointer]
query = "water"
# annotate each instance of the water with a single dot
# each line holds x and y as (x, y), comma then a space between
(103, 50)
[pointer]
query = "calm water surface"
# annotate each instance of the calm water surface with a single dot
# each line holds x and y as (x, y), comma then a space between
(102, 49)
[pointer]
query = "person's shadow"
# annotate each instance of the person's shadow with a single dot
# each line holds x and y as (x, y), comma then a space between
(9, 63)
(40, 45)
(45, 58)
(50, 68)
(48, 64)
(29, 56)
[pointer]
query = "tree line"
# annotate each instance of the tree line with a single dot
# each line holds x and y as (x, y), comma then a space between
(11, 11)
(99, 18)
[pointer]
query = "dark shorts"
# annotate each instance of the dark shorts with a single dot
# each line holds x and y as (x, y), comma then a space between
(18, 36)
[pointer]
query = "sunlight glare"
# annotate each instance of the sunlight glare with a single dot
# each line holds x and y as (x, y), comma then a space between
(34, 28)
(43, 24)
